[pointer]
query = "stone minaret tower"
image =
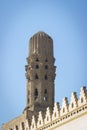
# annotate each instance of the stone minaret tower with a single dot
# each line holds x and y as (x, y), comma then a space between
(40, 73)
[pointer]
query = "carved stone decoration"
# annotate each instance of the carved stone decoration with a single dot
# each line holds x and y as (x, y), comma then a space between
(56, 111)
(40, 121)
(83, 96)
(64, 109)
(48, 116)
(33, 123)
(73, 102)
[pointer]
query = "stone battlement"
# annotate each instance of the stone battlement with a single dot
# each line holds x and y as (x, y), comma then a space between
(56, 117)
(63, 114)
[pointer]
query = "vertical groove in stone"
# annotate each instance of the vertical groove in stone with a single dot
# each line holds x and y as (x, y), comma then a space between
(41, 44)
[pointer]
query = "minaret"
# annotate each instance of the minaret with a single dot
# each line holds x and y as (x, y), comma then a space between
(40, 73)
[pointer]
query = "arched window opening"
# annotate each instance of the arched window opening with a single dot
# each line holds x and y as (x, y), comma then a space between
(45, 91)
(29, 79)
(36, 76)
(46, 60)
(37, 66)
(36, 93)
(37, 59)
(46, 77)
(46, 66)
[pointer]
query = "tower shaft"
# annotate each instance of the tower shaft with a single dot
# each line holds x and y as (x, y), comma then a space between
(40, 73)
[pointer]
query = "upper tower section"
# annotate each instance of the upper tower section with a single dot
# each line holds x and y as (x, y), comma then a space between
(40, 73)
(41, 44)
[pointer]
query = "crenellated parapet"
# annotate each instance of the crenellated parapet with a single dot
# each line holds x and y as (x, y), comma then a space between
(67, 112)
(55, 117)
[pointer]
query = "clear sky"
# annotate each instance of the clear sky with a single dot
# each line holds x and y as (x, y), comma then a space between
(66, 22)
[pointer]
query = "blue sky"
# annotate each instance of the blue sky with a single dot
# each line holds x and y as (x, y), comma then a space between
(66, 22)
